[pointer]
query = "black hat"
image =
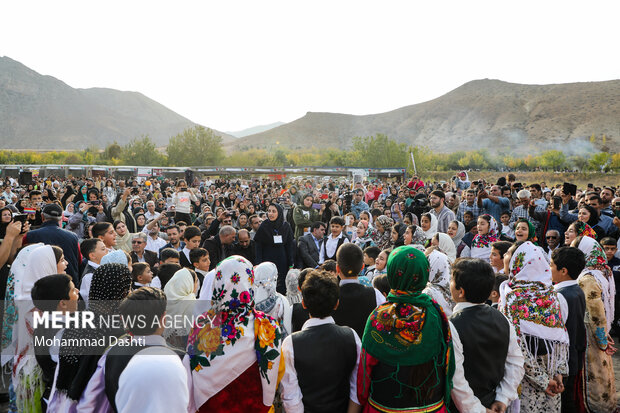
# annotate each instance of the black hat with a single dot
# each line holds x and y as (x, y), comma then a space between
(53, 210)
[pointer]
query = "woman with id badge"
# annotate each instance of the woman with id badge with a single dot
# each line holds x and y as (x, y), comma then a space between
(275, 243)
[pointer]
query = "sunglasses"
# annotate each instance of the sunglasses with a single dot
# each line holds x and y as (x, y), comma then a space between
(551, 237)
(136, 242)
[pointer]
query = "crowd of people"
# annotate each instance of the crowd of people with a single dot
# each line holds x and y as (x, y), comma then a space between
(321, 295)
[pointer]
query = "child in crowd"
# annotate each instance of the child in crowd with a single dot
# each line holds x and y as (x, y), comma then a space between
(169, 256)
(486, 349)
(566, 265)
(381, 262)
(192, 237)
(381, 283)
(370, 256)
(468, 217)
(507, 232)
(329, 265)
(94, 250)
(141, 275)
(164, 274)
(498, 249)
(52, 293)
(321, 359)
(199, 257)
(300, 314)
(332, 243)
(356, 300)
(494, 297)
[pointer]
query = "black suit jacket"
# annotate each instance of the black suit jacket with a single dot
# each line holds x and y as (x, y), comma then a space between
(149, 257)
(214, 246)
(307, 251)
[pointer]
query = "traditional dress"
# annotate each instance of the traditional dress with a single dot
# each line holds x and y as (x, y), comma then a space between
(598, 285)
(267, 299)
(407, 362)
(383, 240)
(234, 362)
(481, 245)
(31, 264)
(438, 287)
(531, 304)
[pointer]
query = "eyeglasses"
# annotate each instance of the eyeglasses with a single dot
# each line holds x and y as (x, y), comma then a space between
(136, 242)
(551, 237)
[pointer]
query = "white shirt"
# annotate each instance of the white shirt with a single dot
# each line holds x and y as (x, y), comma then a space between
(85, 282)
(563, 302)
(291, 392)
(505, 392)
(186, 252)
(378, 295)
(329, 246)
(154, 245)
(150, 216)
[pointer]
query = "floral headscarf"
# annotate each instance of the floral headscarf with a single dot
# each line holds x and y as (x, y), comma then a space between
(384, 240)
(239, 336)
(409, 329)
(531, 304)
(596, 264)
(583, 229)
(531, 230)
(481, 244)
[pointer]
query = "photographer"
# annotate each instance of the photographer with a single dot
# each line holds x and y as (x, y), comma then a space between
(492, 203)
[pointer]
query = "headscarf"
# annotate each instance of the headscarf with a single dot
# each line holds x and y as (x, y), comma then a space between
(438, 287)
(268, 228)
(585, 230)
(267, 298)
(447, 246)
(292, 283)
(27, 375)
(531, 304)
(115, 257)
(531, 230)
(110, 284)
(384, 240)
(66, 212)
(409, 329)
(418, 237)
(481, 244)
(460, 233)
(433, 229)
(596, 264)
(3, 225)
(369, 235)
(181, 299)
(218, 352)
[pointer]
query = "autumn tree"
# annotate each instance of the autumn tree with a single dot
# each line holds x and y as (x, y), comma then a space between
(197, 146)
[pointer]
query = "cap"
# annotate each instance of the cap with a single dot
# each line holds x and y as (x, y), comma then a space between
(52, 210)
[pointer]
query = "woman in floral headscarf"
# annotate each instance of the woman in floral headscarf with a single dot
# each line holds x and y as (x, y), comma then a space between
(578, 229)
(234, 361)
(487, 235)
(406, 361)
(438, 287)
(597, 283)
(530, 303)
(365, 235)
(383, 236)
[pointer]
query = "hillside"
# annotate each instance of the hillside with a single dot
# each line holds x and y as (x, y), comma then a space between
(490, 114)
(42, 112)
(255, 129)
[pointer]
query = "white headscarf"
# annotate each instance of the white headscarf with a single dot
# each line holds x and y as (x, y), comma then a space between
(460, 233)
(433, 229)
(267, 299)
(438, 287)
(292, 286)
(447, 246)
(29, 266)
(181, 299)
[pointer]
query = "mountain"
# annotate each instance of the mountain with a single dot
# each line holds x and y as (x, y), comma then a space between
(255, 129)
(481, 114)
(42, 112)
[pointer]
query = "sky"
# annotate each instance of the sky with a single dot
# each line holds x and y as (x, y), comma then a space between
(231, 65)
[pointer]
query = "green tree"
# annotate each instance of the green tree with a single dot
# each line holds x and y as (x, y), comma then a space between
(379, 151)
(553, 160)
(599, 161)
(142, 152)
(113, 151)
(197, 146)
